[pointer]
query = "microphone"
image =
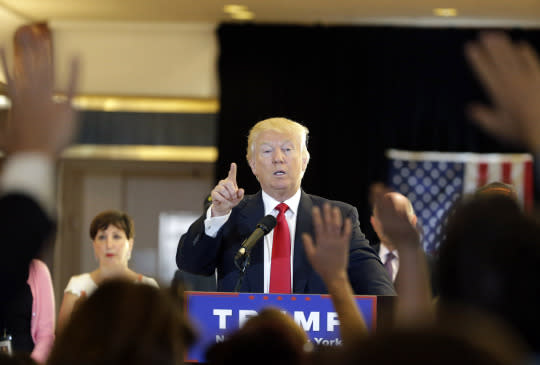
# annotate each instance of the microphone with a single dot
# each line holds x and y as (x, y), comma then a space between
(265, 225)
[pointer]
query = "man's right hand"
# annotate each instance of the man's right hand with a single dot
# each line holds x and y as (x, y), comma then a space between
(226, 194)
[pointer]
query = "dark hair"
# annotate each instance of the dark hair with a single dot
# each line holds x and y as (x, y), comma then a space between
(498, 187)
(489, 260)
(116, 218)
(124, 323)
(417, 346)
(270, 337)
(18, 358)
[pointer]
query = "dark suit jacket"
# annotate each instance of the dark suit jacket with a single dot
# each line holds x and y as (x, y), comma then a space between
(431, 262)
(200, 254)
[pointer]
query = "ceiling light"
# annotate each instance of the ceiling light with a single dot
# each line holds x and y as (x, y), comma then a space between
(232, 8)
(5, 103)
(445, 11)
(243, 15)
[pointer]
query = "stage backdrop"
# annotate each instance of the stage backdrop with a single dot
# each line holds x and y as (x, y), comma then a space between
(360, 91)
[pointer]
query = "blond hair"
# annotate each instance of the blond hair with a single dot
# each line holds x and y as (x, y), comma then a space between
(281, 125)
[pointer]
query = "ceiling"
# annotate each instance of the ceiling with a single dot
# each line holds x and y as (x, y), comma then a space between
(277, 11)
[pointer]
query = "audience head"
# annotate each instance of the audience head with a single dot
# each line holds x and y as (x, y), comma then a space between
(278, 156)
(124, 323)
(489, 259)
(418, 346)
(271, 337)
(497, 187)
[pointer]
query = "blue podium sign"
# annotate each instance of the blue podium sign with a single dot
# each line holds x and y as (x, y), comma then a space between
(215, 315)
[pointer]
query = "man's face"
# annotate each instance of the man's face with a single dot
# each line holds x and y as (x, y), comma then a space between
(278, 163)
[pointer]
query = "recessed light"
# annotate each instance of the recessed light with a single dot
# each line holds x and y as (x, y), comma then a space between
(243, 15)
(445, 11)
(233, 8)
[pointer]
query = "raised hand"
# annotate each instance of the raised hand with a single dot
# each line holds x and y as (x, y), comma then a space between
(329, 253)
(329, 256)
(36, 122)
(226, 194)
(397, 221)
(412, 283)
(510, 73)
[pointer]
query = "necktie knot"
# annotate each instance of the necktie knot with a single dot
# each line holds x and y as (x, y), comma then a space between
(390, 256)
(282, 208)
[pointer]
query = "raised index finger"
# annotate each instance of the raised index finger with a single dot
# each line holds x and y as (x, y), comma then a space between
(232, 174)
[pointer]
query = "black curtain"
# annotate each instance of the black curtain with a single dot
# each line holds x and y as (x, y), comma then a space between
(360, 91)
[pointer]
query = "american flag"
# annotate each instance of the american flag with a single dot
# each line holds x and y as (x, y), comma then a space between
(433, 181)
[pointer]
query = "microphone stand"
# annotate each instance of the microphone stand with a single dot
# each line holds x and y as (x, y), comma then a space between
(242, 264)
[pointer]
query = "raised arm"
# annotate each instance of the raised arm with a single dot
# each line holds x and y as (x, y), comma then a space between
(414, 302)
(36, 130)
(328, 254)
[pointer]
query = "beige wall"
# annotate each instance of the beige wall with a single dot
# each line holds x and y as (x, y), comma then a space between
(140, 59)
(176, 60)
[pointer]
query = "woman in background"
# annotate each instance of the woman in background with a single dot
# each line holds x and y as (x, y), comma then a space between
(29, 317)
(112, 233)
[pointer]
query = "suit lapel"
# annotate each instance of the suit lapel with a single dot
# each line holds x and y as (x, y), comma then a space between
(249, 216)
(301, 266)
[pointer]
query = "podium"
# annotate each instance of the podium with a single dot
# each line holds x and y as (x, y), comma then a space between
(216, 315)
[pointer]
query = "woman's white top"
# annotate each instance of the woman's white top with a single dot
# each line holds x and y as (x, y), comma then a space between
(84, 282)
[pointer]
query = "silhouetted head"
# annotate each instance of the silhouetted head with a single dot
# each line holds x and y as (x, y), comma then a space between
(498, 187)
(271, 337)
(124, 323)
(489, 260)
(420, 346)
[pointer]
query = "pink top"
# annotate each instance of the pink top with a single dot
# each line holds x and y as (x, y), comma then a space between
(43, 310)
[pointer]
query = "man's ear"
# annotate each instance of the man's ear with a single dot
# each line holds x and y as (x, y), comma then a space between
(251, 163)
(414, 220)
(305, 161)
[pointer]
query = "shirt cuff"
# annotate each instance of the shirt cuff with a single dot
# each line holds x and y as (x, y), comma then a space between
(213, 224)
(31, 174)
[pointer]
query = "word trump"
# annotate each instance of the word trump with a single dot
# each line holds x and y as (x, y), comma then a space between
(310, 324)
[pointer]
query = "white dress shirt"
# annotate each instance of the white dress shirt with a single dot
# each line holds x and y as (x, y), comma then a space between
(383, 250)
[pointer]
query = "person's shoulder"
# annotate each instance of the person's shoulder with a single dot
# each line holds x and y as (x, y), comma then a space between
(149, 281)
(248, 200)
(39, 269)
(319, 201)
(38, 265)
(77, 283)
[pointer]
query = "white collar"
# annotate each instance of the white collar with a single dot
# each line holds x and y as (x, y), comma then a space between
(383, 250)
(271, 203)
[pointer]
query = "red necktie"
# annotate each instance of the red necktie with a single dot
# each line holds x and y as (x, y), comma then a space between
(280, 269)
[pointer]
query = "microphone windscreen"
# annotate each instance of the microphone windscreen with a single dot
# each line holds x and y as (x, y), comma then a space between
(267, 223)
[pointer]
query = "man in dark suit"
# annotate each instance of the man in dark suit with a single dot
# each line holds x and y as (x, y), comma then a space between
(278, 157)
